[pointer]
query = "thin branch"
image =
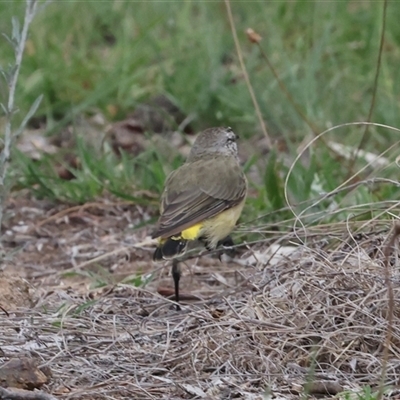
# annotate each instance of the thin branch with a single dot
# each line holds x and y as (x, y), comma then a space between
(246, 75)
(19, 51)
(18, 40)
(390, 308)
(375, 85)
(255, 38)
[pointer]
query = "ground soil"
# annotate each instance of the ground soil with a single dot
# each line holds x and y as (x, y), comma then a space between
(84, 298)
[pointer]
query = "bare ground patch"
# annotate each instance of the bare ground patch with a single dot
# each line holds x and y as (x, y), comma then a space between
(314, 318)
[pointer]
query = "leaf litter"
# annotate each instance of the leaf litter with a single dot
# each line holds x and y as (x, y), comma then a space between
(83, 299)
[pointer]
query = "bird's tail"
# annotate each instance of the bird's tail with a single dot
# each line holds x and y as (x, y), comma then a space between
(169, 248)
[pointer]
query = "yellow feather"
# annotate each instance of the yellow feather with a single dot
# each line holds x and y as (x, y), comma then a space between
(220, 226)
(213, 229)
(193, 232)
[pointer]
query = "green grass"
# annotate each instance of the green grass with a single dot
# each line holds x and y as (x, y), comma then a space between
(366, 393)
(325, 52)
(97, 174)
(90, 57)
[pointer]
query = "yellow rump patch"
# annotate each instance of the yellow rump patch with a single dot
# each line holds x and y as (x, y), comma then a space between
(192, 233)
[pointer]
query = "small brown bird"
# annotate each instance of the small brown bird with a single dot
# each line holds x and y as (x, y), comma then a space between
(202, 200)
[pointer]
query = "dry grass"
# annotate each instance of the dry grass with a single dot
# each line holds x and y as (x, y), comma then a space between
(313, 320)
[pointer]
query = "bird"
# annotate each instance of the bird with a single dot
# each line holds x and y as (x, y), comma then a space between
(202, 199)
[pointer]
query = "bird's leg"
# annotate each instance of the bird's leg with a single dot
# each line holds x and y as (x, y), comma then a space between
(176, 275)
(227, 244)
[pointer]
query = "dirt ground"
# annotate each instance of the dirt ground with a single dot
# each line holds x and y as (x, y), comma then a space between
(281, 319)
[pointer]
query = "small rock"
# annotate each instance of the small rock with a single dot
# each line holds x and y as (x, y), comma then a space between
(22, 373)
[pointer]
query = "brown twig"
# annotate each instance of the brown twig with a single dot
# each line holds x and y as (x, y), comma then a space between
(246, 75)
(390, 307)
(375, 86)
(254, 37)
(78, 208)
(5, 311)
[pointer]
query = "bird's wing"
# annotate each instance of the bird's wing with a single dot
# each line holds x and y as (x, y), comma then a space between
(197, 191)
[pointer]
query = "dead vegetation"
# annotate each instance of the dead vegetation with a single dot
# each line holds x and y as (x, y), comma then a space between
(311, 318)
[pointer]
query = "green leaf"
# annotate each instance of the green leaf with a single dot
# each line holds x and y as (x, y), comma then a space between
(29, 114)
(16, 31)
